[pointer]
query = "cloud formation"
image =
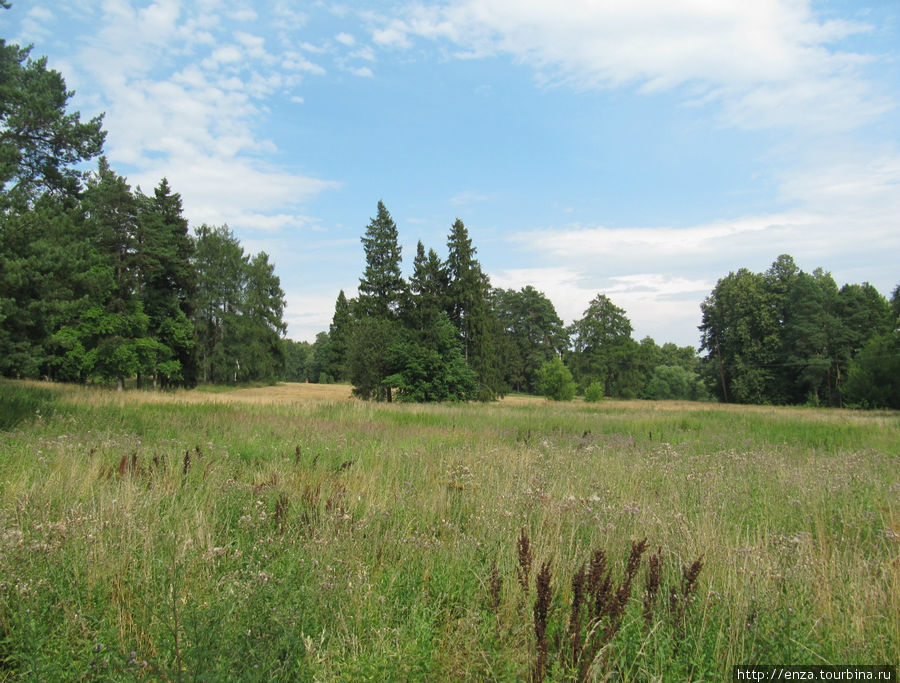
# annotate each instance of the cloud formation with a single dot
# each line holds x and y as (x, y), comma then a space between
(769, 63)
(185, 89)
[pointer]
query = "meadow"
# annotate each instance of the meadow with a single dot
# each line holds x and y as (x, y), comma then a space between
(293, 533)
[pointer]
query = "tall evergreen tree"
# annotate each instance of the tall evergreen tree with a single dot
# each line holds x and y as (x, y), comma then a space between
(166, 282)
(381, 288)
(339, 338)
(382, 292)
(44, 249)
(115, 331)
(468, 307)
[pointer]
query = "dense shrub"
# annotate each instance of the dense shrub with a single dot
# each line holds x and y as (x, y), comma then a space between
(556, 381)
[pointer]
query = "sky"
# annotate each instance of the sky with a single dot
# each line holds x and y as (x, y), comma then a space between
(640, 149)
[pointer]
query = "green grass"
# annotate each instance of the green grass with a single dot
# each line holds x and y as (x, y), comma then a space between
(345, 540)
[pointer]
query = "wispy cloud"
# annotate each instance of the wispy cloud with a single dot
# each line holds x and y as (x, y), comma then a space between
(198, 119)
(846, 216)
(769, 63)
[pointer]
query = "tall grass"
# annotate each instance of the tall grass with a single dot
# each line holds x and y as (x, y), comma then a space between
(167, 537)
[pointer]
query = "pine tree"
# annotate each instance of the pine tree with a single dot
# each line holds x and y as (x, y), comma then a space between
(41, 144)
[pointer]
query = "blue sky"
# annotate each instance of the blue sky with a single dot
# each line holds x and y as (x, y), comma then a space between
(641, 149)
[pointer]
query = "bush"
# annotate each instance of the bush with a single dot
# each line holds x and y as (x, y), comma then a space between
(874, 377)
(674, 382)
(594, 392)
(556, 381)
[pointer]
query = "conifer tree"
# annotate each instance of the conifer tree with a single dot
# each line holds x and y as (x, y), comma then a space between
(467, 305)
(339, 338)
(166, 282)
(381, 288)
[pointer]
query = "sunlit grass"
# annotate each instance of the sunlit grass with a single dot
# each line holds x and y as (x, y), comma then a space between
(291, 532)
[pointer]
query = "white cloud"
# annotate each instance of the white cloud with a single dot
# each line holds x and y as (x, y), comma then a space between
(768, 62)
(345, 39)
(847, 217)
(294, 61)
(307, 315)
(233, 190)
(197, 121)
(36, 25)
(662, 306)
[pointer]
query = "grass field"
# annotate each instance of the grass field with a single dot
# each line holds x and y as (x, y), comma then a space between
(292, 533)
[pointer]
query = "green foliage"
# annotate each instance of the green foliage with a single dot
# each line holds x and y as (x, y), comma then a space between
(339, 338)
(238, 311)
(873, 380)
(381, 288)
(296, 359)
(594, 392)
(786, 336)
(534, 330)
(370, 359)
(167, 282)
(604, 351)
(431, 367)
(41, 144)
(556, 381)
(674, 382)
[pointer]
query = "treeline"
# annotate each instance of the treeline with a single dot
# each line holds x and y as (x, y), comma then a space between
(446, 334)
(790, 337)
(99, 282)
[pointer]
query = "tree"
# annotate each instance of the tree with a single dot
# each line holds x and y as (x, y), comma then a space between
(556, 381)
(808, 328)
(370, 360)
(535, 331)
(262, 327)
(467, 306)
(863, 313)
(675, 383)
(740, 330)
(319, 357)
(381, 288)
(40, 143)
(296, 360)
(604, 349)
(339, 338)
(113, 331)
(873, 379)
(431, 367)
(428, 288)
(219, 262)
(48, 277)
(166, 282)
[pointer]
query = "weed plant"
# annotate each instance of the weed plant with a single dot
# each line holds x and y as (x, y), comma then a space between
(173, 537)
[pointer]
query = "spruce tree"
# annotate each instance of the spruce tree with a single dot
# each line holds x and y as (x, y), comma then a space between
(381, 288)
(339, 336)
(469, 310)
(166, 282)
